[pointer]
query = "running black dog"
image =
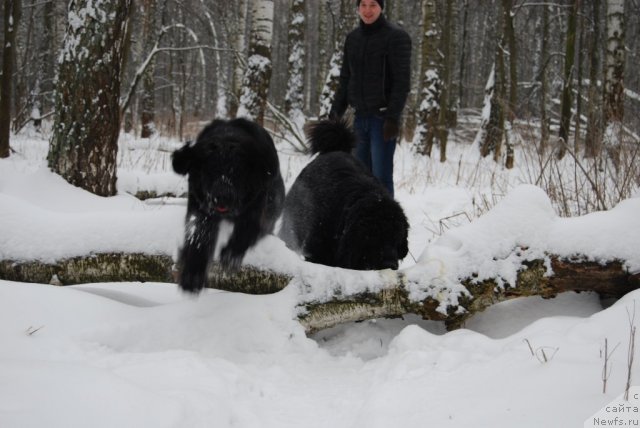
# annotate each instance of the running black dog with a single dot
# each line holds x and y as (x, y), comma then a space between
(234, 175)
(337, 213)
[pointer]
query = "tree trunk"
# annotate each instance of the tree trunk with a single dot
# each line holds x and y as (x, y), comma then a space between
(614, 63)
(240, 45)
(579, 76)
(258, 74)
(107, 267)
(511, 106)
(445, 94)
(593, 137)
(609, 280)
(332, 79)
(84, 144)
(614, 79)
(463, 49)
(294, 99)
(569, 60)
(492, 125)
(147, 95)
(431, 83)
(12, 13)
(544, 83)
(491, 133)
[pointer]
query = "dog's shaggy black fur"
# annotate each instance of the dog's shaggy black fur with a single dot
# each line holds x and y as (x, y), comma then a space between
(234, 175)
(337, 213)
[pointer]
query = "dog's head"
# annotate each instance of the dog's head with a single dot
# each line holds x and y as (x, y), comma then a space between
(228, 165)
(374, 237)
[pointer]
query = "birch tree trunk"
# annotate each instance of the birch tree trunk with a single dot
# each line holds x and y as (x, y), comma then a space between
(253, 100)
(431, 84)
(147, 97)
(12, 13)
(332, 79)
(610, 279)
(614, 77)
(511, 106)
(294, 99)
(84, 143)
(240, 45)
(255, 85)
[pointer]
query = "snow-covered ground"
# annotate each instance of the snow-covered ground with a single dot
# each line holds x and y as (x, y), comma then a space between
(146, 355)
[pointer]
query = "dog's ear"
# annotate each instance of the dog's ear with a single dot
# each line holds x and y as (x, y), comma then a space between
(183, 158)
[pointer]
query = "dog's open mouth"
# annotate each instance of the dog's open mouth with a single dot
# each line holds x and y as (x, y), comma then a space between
(221, 209)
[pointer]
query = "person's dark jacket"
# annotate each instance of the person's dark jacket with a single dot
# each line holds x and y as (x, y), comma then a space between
(376, 70)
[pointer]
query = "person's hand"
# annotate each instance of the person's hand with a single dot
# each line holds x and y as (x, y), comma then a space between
(390, 129)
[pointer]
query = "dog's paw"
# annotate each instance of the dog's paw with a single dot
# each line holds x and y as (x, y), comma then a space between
(192, 281)
(229, 260)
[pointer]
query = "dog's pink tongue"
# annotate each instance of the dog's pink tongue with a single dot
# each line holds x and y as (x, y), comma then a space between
(221, 209)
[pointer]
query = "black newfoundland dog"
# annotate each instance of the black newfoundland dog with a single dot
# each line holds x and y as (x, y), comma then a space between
(234, 175)
(337, 213)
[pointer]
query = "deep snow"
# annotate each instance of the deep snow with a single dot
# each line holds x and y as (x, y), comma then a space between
(138, 355)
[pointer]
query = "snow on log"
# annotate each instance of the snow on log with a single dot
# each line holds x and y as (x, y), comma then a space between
(519, 248)
(330, 296)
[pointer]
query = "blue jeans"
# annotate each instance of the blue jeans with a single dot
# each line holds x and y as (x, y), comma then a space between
(372, 150)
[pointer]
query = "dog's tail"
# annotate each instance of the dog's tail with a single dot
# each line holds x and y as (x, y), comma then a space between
(333, 135)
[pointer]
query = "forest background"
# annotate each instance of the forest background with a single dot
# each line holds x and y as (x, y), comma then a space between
(560, 76)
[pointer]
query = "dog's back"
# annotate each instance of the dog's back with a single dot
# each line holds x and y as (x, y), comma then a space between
(337, 213)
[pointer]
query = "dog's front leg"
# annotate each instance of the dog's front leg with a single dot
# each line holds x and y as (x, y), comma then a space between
(246, 232)
(200, 236)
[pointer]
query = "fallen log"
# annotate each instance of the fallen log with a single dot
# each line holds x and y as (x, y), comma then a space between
(608, 280)
(103, 267)
(326, 300)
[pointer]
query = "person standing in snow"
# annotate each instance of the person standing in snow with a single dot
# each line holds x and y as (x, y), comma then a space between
(375, 81)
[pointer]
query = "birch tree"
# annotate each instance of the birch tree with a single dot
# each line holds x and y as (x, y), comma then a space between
(253, 100)
(511, 106)
(12, 13)
(431, 83)
(332, 78)
(240, 47)
(294, 99)
(84, 144)
(614, 76)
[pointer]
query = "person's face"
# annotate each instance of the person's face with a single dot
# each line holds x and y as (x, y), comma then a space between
(369, 11)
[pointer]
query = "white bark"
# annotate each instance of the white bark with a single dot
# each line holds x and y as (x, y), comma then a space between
(614, 62)
(294, 99)
(258, 74)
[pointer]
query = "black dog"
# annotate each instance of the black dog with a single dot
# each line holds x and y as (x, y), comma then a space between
(337, 213)
(234, 175)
